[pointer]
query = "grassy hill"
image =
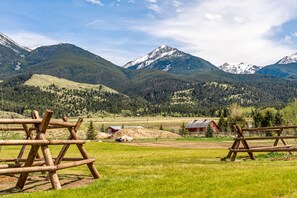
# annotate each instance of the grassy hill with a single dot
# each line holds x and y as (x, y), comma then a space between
(45, 81)
(25, 93)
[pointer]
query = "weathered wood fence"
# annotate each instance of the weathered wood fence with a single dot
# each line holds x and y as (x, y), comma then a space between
(242, 143)
(44, 162)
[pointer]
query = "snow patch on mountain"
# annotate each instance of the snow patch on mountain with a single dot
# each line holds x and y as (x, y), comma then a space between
(288, 59)
(168, 67)
(239, 68)
(160, 52)
(7, 42)
(18, 66)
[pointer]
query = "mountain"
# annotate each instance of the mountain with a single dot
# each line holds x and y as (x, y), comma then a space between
(11, 55)
(288, 59)
(61, 60)
(239, 68)
(9, 43)
(284, 68)
(171, 60)
(166, 81)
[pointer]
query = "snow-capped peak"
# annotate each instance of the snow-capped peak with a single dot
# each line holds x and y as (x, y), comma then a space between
(160, 52)
(8, 42)
(239, 68)
(288, 59)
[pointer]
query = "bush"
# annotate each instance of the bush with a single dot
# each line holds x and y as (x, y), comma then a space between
(161, 127)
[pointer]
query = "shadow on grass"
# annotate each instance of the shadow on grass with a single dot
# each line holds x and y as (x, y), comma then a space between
(40, 183)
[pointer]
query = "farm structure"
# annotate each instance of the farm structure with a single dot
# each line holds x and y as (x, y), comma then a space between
(36, 162)
(114, 129)
(278, 133)
(197, 127)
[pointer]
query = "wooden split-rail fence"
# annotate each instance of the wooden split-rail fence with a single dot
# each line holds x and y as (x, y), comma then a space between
(242, 143)
(36, 162)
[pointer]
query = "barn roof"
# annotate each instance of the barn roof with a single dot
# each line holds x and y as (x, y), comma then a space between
(198, 124)
(115, 127)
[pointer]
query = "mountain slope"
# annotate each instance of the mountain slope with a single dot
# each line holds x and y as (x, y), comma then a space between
(284, 68)
(73, 63)
(10, 55)
(171, 60)
(63, 60)
(239, 68)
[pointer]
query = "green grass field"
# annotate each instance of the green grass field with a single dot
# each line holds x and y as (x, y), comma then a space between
(138, 171)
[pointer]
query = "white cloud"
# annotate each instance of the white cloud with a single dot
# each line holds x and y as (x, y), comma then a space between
(31, 40)
(131, 1)
(213, 17)
(240, 19)
(295, 34)
(228, 31)
(95, 2)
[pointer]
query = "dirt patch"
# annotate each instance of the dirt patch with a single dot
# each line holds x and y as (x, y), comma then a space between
(37, 182)
(145, 133)
(176, 144)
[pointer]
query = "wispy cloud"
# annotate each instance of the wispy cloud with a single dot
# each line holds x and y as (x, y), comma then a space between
(95, 2)
(153, 5)
(152, 1)
(232, 30)
(177, 3)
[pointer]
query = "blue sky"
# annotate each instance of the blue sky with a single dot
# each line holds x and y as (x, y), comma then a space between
(252, 31)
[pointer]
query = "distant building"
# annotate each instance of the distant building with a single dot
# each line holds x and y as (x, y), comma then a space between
(200, 127)
(114, 129)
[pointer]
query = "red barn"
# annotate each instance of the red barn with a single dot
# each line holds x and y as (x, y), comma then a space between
(113, 129)
(199, 127)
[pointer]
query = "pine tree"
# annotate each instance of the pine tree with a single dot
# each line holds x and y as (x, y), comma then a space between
(209, 131)
(182, 130)
(278, 119)
(222, 124)
(91, 135)
(102, 128)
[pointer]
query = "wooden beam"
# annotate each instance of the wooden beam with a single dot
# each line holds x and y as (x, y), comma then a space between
(71, 136)
(35, 121)
(40, 142)
(40, 127)
(269, 128)
(267, 138)
(285, 149)
(45, 168)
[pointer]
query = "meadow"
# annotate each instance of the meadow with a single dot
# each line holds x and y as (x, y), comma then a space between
(155, 171)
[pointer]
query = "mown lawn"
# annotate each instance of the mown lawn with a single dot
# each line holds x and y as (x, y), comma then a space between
(135, 171)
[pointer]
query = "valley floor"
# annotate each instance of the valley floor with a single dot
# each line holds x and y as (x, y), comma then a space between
(167, 168)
